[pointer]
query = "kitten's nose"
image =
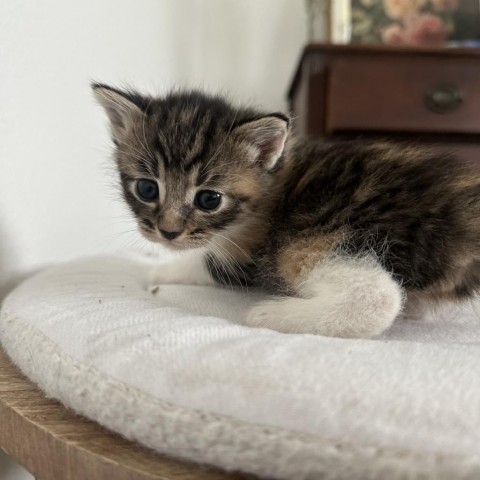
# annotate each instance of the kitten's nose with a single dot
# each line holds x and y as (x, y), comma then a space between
(170, 235)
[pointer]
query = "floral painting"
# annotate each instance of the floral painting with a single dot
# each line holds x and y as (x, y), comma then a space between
(429, 23)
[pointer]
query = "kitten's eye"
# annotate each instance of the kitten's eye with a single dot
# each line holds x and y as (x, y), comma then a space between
(208, 199)
(147, 189)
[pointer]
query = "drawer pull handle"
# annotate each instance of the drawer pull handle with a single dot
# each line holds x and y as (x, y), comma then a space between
(443, 99)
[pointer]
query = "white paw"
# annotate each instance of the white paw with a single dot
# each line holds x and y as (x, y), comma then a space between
(293, 315)
(348, 316)
(165, 274)
(272, 315)
(181, 272)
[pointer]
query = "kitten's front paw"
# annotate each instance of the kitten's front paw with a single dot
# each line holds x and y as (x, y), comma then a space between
(180, 273)
(363, 317)
(163, 274)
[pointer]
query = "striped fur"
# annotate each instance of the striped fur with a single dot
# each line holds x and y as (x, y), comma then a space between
(417, 212)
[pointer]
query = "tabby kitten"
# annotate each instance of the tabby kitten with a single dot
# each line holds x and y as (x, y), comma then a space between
(343, 232)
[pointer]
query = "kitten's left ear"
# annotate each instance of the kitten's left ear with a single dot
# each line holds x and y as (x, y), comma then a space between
(267, 137)
(122, 107)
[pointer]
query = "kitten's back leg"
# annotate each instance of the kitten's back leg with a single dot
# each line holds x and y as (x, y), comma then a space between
(338, 297)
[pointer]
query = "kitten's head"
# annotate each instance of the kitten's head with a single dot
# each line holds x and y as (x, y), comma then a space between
(192, 167)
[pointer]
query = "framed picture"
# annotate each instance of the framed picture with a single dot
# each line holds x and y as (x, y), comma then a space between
(340, 21)
(429, 23)
(329, 20)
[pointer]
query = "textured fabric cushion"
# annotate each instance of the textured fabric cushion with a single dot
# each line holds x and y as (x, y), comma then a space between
(179, 373)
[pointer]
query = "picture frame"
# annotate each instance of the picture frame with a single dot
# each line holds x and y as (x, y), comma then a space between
(423, 23)
(329, 21)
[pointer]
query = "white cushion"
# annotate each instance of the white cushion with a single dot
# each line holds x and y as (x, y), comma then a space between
(179, 373)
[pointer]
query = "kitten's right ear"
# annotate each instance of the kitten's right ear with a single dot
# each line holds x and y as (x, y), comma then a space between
(122, 108)
(266, 136)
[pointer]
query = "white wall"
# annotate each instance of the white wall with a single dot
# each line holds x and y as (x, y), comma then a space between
(56, 198)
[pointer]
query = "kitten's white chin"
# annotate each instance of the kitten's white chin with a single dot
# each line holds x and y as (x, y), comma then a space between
(176, 245)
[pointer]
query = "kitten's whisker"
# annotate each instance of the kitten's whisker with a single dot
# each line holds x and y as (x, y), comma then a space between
(133, 155)
(236, 245)
(229, 258)
(220, 272)
(128, 242)
(142, 154)
(242, 272)
(237, 267)
(144, 161)
(120, 233)
(224, 260)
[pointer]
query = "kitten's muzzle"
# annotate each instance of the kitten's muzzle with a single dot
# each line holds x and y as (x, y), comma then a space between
(170, 235)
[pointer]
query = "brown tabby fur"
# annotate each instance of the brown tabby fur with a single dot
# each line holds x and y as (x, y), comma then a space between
(416, 211)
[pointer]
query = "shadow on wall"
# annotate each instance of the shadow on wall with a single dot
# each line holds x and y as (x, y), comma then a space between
(9, 470)
(10, 276)
(7, 262)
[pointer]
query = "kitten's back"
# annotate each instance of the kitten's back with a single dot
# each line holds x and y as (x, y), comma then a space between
(418, 211)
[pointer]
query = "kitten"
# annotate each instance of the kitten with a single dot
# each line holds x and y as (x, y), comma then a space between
(342, 232)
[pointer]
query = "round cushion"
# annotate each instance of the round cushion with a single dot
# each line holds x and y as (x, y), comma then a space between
(178, 372)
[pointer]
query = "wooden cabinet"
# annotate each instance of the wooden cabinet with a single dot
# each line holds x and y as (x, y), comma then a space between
(424, 95)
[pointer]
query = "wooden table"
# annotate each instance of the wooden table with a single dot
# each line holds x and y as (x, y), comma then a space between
(423, 95)
(53, 443)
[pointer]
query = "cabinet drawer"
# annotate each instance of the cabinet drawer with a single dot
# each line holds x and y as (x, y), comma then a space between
(394, 94)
